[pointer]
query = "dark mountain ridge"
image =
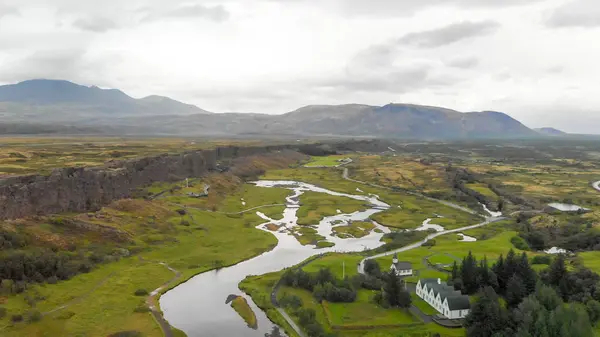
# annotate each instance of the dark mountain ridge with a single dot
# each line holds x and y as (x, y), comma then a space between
(63, 102)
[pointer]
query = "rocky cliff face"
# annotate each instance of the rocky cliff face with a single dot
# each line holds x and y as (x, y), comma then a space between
(85, 189)
(88, 189)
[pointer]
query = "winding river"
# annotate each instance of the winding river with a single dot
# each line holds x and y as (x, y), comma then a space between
(198, 306)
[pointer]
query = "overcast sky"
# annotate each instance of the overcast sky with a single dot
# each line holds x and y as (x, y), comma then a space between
(537, 60)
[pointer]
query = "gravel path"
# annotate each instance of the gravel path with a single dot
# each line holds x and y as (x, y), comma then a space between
(151, 300)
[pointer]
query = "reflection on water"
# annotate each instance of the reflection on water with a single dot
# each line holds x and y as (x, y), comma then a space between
(566, 207)
(197, 306)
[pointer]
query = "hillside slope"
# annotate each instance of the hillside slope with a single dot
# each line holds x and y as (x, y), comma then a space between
(65, 103)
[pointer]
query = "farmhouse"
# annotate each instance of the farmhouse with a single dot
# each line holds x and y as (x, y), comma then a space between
(443, 298)
(401, 268)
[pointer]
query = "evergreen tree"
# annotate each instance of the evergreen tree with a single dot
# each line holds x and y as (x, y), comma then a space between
(515, 291)
(557, 271)
(454, 274)
(487, 318)
(392, 289)
(593, 310)
(527, 274)
(484, 277)
(468, 274)
(498, 269)
(404, 299)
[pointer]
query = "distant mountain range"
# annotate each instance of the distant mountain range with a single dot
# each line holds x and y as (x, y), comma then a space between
(62, 103)
(550, 131)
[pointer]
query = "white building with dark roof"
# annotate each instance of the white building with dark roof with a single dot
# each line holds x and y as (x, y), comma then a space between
(443, 298)
(400, 267)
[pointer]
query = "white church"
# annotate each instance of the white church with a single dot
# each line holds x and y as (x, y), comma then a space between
(401, 268)
(447, 301)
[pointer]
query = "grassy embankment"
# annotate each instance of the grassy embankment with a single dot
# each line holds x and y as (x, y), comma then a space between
(102, 302)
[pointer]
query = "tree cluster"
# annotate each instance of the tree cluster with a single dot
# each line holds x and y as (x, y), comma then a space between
(39, 266)
(511, 277)
(323, 285)
(393, 289)
(541, 314)
(579, 285)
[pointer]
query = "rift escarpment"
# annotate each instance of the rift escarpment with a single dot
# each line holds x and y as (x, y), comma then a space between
(86, 189)
(90, 188)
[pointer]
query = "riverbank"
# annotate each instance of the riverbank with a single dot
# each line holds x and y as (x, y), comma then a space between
(196, 306)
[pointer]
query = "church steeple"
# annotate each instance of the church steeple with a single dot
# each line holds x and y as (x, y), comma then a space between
(395, 259)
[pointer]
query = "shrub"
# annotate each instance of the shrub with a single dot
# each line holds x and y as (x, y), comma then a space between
(52, 279)
(541, 259)
(141, 292)
(126, 334)
(34, 316)
(141, 309)
(3, 312)
(429, 243)
(66, 315)
(519, 243)
(16, 318)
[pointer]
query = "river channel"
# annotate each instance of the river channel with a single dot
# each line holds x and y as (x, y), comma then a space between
(198, 306)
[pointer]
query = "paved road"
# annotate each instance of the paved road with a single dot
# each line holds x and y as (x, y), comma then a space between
(291, 322)
(443, 202)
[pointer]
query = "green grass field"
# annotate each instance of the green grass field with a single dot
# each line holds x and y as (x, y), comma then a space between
(363, 312)
(315, 206)
(441, 259)
(483, 189)
(356, 229)
(422, 305)
(327, 161)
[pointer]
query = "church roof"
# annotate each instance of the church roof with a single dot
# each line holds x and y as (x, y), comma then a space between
(460, 302)
(456, 301)
(402, 265)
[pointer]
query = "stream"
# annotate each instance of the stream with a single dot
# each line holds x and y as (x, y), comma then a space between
(198, 306)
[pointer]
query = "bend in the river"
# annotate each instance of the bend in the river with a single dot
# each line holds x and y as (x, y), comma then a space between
(198, 306)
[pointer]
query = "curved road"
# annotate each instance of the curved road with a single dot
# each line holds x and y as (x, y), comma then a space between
(429, 237)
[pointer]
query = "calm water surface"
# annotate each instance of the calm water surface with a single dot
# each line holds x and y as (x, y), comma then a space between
(198, 306)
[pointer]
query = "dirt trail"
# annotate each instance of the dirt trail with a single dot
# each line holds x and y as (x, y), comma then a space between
(152, 300)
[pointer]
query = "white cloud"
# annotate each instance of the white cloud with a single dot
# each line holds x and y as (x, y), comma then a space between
(274, 56)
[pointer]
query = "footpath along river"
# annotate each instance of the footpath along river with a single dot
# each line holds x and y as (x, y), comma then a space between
(198, 306)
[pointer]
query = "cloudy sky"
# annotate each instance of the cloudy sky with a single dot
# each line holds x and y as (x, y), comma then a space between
(537, 60)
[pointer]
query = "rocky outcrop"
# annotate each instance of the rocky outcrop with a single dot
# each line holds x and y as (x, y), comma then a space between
(85, 189)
